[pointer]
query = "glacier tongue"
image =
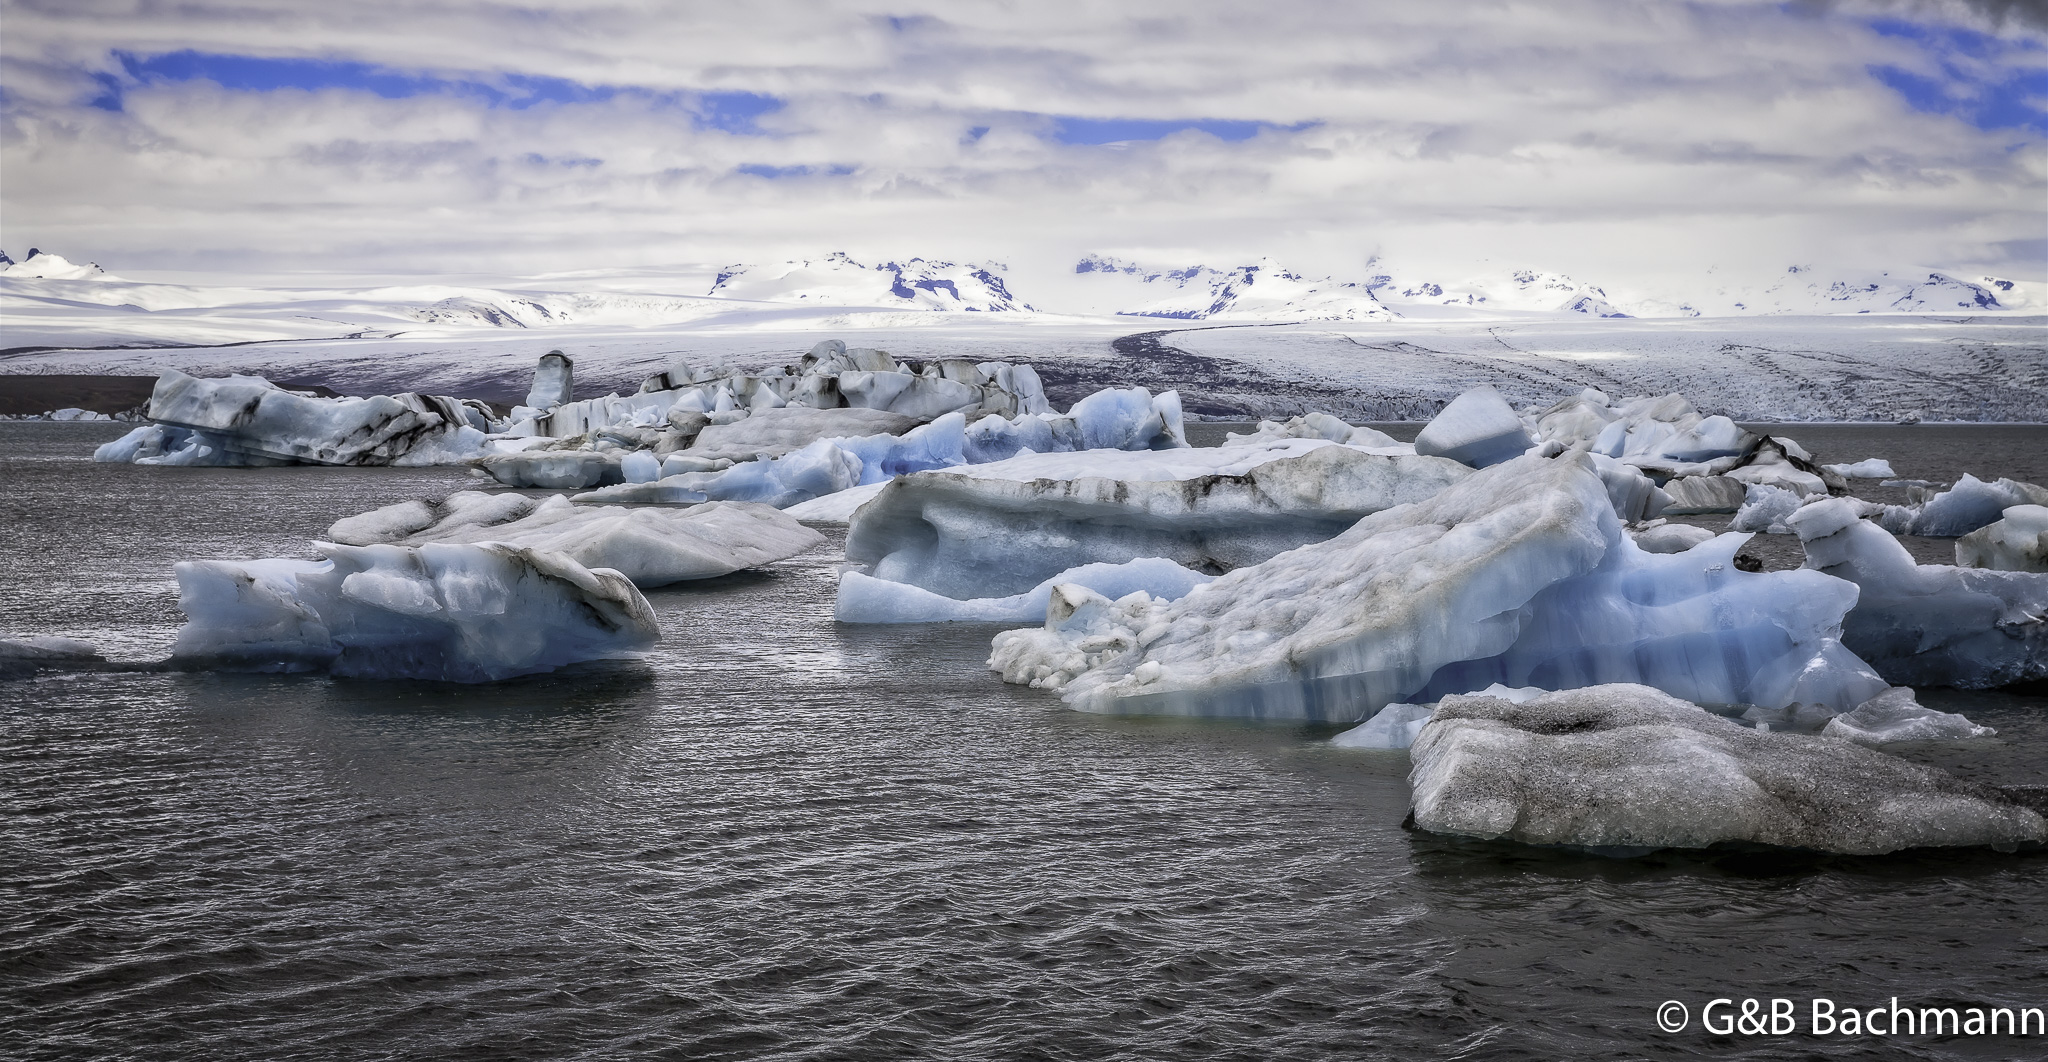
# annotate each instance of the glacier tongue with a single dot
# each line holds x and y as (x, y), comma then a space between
(442, 611)
(1927, 624)
(1626, 768)
(1520, 574)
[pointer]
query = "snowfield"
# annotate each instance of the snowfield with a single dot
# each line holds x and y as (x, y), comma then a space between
(1247, 350)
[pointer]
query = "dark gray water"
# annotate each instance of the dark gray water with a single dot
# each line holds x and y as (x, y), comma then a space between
(783, 838)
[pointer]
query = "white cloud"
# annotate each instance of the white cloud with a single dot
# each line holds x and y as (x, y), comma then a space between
(1604, 137)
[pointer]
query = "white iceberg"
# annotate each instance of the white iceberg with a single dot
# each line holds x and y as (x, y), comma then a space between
(2017, 542)
(836, 509)
(1477, 428)
(1657, 433)
(1625, 768)
(652, 547)
(442, 611)
(1697, 495)
(1671, 538)
(554, 380)
(1869, 468)
(1317, 426)
(865, 599)
(555, 469)
(23, 657)
(1928, 624)
(997, 529)
(774, 432)
(1520, 574)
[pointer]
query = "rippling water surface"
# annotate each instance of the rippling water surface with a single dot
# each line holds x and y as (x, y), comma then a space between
(783, 838)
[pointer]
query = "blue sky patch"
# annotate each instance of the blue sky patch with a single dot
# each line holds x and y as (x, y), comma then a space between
(1962, 90)
(1084, 131)
(755, 169)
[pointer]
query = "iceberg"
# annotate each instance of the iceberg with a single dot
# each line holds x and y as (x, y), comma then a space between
(1698, 495)
(1477, 428)
(2017, 542)
(442, 611)
(1398, 725)
(1317, 426)
(836, 509)
(1972, 503)
(865, 599)
(1625, 769)
(774, 432)
(554, 381)
(651, 547)
(1130, 419)
(1870, 468)
(1657, 433)
(1765, 509)
(555, 469)
(23, 657)
(1519, 574)
(240, 418)
(1896, 715)
(1927, 624)
(1003, 528)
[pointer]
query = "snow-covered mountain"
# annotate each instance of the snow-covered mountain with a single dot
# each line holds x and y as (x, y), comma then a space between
(1519, 291)
(42, 265)
(1262, 292)
(1802, 289)
(838, 280)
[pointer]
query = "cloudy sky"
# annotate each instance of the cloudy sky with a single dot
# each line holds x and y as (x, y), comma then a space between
(1601, 137)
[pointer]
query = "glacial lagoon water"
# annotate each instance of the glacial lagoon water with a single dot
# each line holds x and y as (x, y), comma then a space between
(783, 838)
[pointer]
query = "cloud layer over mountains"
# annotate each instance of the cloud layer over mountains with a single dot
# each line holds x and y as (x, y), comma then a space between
(1596, 137)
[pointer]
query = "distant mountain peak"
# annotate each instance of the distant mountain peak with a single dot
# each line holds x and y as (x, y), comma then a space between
(838, 279)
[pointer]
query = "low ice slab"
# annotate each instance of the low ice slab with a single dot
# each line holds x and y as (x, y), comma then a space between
(1694, 495)
(22, 657)
(1398, 725)
(555, 469)
(2018, 542)
(774, 432)
(1672, 538)
(1477, 428)
(1896, 715)
(1628, 768)
(1318, 426)
(1002, 528)
(865, 599)
(251, 416)
(1520, 574)
(447, 612)
(652, 547)
(1928, 624)
(836, 509)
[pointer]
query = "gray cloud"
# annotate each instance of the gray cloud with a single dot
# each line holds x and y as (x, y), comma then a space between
(1604, 136)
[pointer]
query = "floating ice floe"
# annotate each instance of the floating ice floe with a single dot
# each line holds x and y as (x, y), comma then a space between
(1927, 624)
(1317, 426)
(442, 611)
(1896, 715)
(865, 599)
(1627, 768)
(1869, 468)
(836, 509)
(1970, 504)
(652, 547)
(993, 530)
(1658, 434)
(774, 432)
(1131, 418)
(1519, 574)
(1477, 428)
(1397, 725)
(22, 657)
(2018, 542)
(249, 420)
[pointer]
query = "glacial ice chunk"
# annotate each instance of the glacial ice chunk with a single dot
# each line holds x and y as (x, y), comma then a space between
(1317, 426)
(1671, 538)
(248, 415)
(2017, 542)
(1392, 727)
(23, 657)
(1696, 495)
(774, 432)
(1520, 574)
(1972, 503)
(1002, 528)
(1765, 509)
(1896, 715)
(555, 469)
(864, 599)
(553, 381)
(1626, 768)
(1928, 624)
(1869, 468)
(651, 547)
(441, 611)
(1477, 428)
